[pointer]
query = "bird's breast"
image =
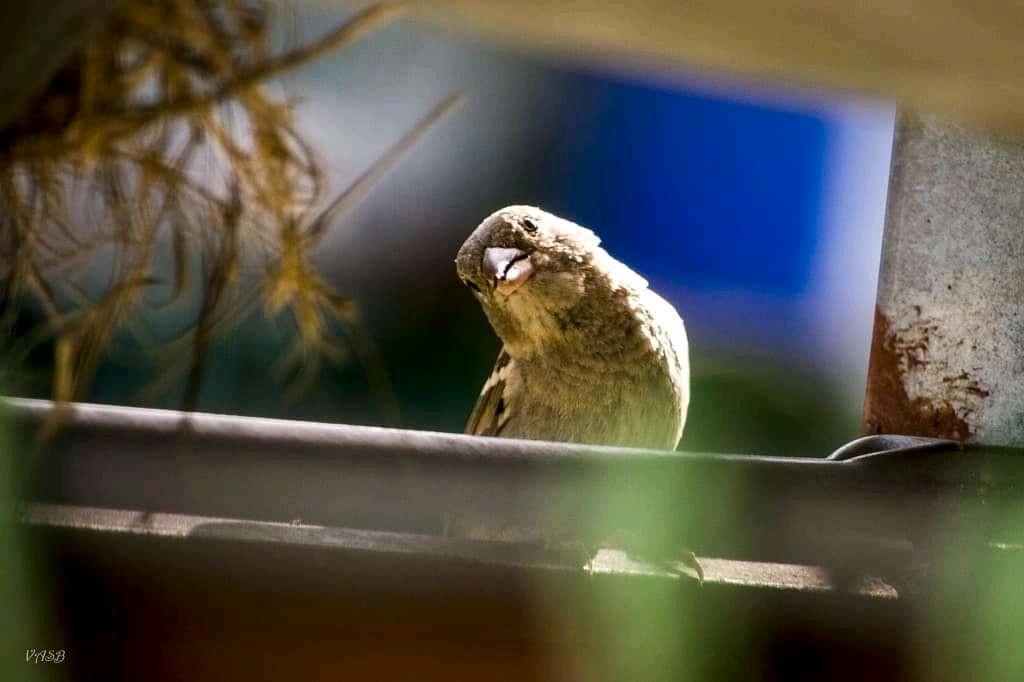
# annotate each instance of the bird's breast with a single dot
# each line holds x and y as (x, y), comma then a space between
(599, 399)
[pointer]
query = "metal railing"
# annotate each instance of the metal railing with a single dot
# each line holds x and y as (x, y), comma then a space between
(877, 513)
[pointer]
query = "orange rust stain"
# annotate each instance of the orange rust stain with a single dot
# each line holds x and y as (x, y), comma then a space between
(887, 406)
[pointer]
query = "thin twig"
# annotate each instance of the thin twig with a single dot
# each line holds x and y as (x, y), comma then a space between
(358, 189)
(365, 22)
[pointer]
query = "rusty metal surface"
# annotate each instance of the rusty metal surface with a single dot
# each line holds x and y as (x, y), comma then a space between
(947, 355)
(859, 512)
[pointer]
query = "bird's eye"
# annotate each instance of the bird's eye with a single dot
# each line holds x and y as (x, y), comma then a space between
(472, 285)
(529, 225)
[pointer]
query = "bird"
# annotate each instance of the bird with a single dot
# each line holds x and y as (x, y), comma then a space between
(589, 353)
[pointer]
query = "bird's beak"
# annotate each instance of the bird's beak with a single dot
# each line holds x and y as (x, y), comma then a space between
(508, 269)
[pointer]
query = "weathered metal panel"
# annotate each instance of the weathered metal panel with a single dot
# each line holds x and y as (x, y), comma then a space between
(947, 356)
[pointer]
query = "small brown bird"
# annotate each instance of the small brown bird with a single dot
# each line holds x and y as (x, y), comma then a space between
(590, 354)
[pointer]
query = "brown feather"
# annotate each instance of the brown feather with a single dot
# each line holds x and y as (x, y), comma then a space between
(491, 414)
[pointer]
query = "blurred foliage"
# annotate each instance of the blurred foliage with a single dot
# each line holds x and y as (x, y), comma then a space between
(159, 132)
(975, 617)
(25, 619)
(745, 407)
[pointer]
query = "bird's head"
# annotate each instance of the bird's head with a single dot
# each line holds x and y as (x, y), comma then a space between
(528, 268)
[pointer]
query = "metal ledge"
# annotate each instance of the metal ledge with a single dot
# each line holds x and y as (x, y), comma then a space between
(178, 596)
(869, 514)
(398, 547)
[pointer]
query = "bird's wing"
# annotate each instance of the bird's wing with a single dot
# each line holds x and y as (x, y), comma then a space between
(491, 413)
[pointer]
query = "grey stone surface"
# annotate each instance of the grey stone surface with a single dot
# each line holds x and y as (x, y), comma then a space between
(951, 288)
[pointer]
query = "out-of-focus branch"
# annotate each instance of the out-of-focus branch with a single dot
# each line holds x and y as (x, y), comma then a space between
(152, 135)
(365, 22)
(38, 38)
